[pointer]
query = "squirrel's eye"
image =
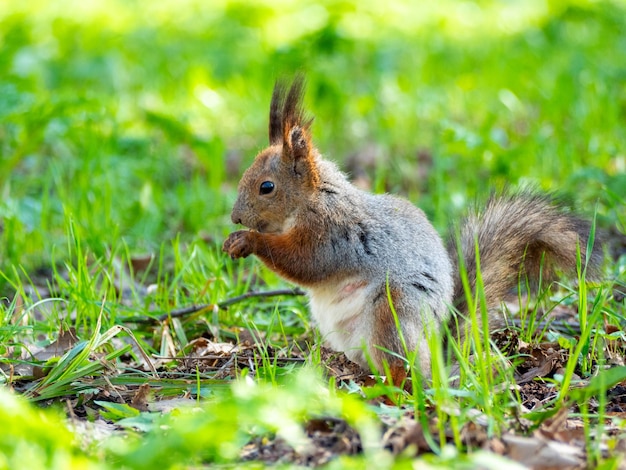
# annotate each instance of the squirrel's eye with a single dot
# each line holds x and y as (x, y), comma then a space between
(266, 187)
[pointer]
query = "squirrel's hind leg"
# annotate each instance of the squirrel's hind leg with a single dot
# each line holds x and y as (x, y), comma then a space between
(385, 346)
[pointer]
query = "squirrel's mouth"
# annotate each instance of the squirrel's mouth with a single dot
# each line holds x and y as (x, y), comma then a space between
(265, 227)
(262, 227)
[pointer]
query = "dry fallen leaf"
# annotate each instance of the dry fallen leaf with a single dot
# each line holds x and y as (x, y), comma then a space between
(140, 399)
(540, 453)
(64, 342)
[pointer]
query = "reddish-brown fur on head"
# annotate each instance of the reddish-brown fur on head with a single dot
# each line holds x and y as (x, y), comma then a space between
(284, 174)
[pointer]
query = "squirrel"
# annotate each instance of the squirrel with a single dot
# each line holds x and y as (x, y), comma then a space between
(367, 260)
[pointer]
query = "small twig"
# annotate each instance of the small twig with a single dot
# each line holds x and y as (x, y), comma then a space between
(181, 312)
(249, 295)
(70, 411)
(213, 357)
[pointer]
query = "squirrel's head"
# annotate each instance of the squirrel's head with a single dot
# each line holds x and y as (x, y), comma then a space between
(283, 176)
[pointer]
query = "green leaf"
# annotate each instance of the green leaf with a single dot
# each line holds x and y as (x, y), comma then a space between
(599, 384)
(144, 422)
(117, 411)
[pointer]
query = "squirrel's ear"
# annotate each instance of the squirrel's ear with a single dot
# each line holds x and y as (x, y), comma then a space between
(297, 144)
(296, 136)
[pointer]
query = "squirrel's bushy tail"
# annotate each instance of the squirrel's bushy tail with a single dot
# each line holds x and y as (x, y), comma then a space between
(524, 234)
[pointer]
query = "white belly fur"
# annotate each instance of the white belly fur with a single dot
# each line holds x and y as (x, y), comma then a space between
(339, 310)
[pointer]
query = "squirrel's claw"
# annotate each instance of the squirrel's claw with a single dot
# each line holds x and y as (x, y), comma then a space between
(237, 245)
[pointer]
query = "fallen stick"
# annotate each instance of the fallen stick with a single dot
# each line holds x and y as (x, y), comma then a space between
(181, 312)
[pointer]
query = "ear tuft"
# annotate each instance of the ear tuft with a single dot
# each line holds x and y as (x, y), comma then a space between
(289, 126)
(276, 113)
(293, 112)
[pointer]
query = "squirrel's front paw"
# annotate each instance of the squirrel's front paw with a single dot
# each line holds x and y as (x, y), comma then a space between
(238, 245)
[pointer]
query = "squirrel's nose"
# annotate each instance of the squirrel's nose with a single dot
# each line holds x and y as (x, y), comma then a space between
(235, 217)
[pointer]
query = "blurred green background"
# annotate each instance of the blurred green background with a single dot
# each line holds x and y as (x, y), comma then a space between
(126, 124)
(132, 121)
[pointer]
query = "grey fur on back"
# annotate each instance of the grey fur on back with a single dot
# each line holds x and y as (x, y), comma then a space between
(385, 235)
(371, 246)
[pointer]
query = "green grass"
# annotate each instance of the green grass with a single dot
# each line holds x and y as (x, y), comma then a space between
(124, 127)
